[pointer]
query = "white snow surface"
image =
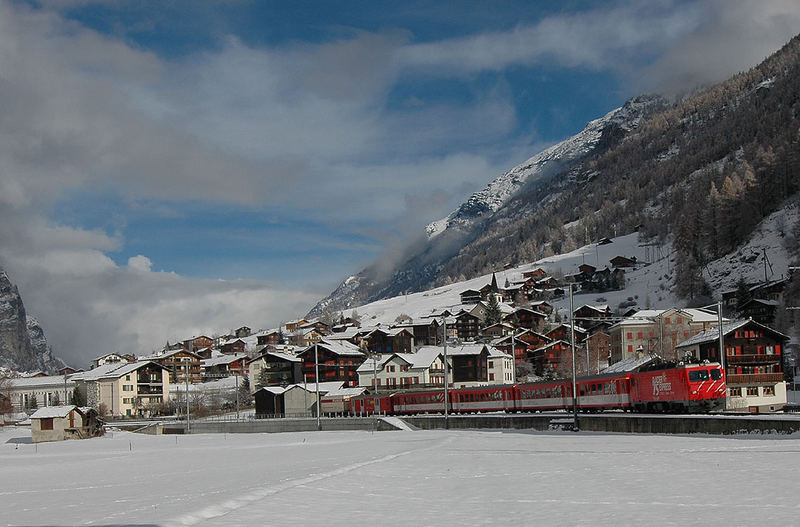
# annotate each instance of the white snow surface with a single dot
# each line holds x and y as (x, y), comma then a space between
(443, 478)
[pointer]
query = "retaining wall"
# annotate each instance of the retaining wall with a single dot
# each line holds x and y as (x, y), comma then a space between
(620, 423)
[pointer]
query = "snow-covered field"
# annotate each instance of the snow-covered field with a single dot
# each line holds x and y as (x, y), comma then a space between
(399, 478)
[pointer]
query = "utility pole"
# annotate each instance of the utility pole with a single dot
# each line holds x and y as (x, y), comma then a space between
(316, 379)
(444, 325)
(572, 345)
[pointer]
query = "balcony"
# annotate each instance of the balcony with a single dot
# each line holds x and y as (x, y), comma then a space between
(150, 389)
(761, 358)
(754, 378)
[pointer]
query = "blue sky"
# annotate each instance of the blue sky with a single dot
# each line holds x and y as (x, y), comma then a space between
(172, 168)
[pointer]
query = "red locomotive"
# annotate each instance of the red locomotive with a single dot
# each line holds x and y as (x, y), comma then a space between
(677, 388)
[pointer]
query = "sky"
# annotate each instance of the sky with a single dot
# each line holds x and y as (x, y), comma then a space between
(170, 169)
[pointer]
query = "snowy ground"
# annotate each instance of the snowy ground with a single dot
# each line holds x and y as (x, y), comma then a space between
(399, 478)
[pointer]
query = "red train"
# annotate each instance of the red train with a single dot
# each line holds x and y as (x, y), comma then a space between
(679, 388)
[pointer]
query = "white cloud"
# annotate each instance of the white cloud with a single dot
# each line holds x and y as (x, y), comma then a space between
(140, 263)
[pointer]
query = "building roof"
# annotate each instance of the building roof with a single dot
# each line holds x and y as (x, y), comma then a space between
(223, 359)
(113, 371)
(338, 347)
(54, 411)
(713, 334)
(50, 380)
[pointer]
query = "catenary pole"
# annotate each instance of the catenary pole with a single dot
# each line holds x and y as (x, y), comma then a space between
(444, 325)
(316, 380)
(572, 345)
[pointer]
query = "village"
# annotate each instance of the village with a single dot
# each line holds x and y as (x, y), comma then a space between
(496, 334)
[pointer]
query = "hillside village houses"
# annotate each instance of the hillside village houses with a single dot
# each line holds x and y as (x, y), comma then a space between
(495, 335)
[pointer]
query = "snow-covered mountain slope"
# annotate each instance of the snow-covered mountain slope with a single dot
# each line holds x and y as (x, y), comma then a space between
(545, 163)
(651, 285)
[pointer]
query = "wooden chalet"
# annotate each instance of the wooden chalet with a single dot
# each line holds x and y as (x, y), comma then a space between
(394, 340)
(623, 261)
(338, 361)
(527, 318)
(753, 359)
(274, 368)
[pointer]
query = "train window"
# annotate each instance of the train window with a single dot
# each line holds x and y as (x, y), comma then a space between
(698, 375)
(716, 374)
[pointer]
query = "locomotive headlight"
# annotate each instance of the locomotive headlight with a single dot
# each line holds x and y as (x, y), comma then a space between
(694, 392)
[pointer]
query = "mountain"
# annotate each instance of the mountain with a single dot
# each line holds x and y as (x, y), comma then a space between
(23, 346)
(696, 176)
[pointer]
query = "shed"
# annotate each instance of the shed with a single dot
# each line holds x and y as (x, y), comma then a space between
(56, 423)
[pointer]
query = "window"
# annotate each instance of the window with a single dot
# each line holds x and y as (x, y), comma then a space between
(491, 376)
(716, 374)
(735, 392)
(752, 390)
(127, 377)
(698, 375)
(491, 364)
(630, 336)
(666, 320)
(46, 423)
(639, 335)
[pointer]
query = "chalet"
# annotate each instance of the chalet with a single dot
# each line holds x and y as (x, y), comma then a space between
(67, 370)
(588, 315)
(622, 261)
(523, 341)
(206, 353)
(425, 368)
(294, 325)
(554, 358)
(542, 307)
(224, 365)
(753, 363)
(586, 269)
(564, 332)
(425, 331)
(109, 358)
(272, 336)
(179, 364)
(273, 368)
(478, 365)
(57, 423)
(380, 340)
(242, 332)
(129, 389)
(527, 318)
(536, 274)
(501, 329)
(762, 311)
(234, 346)
(467, 326)
(470, 296)
(196, 343)
(337, 361)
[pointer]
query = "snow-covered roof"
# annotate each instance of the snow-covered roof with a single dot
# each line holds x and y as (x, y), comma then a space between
(630, 364)
(713, 334)
(222, 359)
(346, 392)
(53, 411)
(30, 382)
(338, 347)
(112, 371)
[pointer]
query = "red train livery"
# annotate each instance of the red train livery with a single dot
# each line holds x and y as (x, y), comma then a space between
(681, 388)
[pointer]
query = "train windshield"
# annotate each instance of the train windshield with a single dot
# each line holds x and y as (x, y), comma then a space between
(716, 374)
(698, 375)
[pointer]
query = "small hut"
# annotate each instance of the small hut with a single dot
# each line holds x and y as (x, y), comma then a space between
(56, 423)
